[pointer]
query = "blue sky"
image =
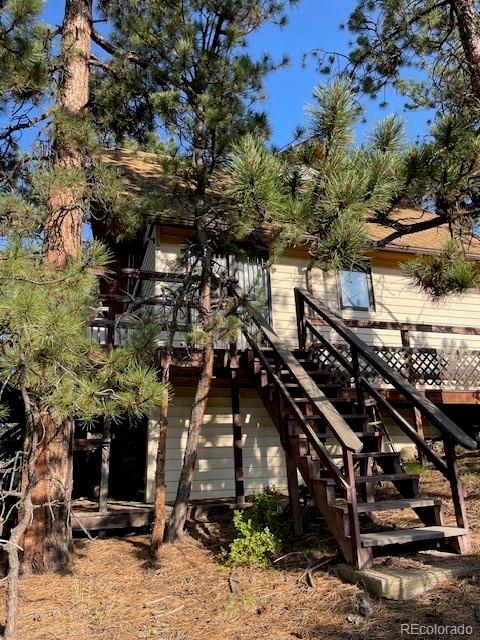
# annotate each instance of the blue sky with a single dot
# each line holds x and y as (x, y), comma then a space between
(312, 24)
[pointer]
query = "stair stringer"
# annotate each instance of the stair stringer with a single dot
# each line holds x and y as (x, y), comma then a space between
(322, 492)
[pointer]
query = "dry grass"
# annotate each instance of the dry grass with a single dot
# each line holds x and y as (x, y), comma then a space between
(115, 592)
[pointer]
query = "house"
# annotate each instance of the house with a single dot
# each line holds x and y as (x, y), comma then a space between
(435, 345)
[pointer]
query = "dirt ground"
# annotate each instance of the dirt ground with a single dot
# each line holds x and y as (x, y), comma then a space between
(114, 592)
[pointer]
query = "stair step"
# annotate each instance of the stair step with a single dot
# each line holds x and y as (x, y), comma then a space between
(386, 477)
(376, 454)
(404, 536)
(332, 400)
(393, 505)
(369, 454)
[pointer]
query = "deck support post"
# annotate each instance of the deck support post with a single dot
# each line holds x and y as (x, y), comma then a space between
(105, 465)
(458, 494)
(237, 428)
(407, 372)
(293, 490)
(417, 417)
(301, 325)
(361, 558)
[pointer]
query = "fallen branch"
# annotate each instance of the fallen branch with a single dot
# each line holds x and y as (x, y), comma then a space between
(85, 531)
(292, 553)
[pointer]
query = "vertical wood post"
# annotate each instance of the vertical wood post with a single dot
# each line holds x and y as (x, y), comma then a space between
(462, 544)
(356, 379)
(301, 327)
(405, 336)
(105, 465)
(458, 495)
(408, 374)
(237, 427)
(290, 462)
(361, 558)
(293, 490)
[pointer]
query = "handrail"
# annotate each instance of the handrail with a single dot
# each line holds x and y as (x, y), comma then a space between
(339, 427)
(446, 426)
(367, 323)
(315, 442)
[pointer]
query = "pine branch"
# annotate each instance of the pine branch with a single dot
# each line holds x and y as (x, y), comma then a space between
(96, 62)
(23, 122)
(110, 48)
(408, 229)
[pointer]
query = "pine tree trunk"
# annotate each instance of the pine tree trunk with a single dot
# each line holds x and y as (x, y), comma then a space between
(468, 20)
(179, 513)
(63, 230)
(47, 542)
(158, 531)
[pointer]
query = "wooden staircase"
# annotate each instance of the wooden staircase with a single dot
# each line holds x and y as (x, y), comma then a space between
(334, 438)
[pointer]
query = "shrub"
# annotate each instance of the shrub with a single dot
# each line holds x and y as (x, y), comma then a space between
(267, 511)
(259, 531)
(253, 544)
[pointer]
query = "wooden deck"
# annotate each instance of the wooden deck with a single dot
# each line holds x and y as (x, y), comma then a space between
(124, 514)
(120, 514)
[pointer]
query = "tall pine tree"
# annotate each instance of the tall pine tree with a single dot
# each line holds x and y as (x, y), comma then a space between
(46, 196)
(201, 85)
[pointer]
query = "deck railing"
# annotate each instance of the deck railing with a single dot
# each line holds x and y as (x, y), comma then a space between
(445, 367)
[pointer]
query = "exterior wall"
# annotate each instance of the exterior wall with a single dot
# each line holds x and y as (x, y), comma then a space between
(395, 301)
(263, 458)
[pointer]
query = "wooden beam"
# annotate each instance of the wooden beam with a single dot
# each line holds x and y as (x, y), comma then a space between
(458, 494)
(237, 427)
(140, 274)
(417, 419)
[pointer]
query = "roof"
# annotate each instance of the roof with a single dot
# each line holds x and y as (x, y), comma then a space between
(145, 174)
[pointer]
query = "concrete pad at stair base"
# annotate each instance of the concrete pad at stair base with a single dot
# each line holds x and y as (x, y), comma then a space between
(402, 583)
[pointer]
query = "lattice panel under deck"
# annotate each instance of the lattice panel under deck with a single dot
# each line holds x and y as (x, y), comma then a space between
(422, 366)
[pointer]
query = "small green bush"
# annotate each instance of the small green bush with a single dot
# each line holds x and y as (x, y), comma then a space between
(252, 545)
(259, 531)
(267, 511)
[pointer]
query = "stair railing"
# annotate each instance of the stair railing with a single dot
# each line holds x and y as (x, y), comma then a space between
(450, 432)
(349, 442)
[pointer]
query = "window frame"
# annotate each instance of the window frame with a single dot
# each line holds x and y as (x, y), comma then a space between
(371, 294)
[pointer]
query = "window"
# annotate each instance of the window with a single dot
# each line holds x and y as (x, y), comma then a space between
(356, 290)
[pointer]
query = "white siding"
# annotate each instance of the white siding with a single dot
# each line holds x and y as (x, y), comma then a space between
(395, 301)
(263, 458)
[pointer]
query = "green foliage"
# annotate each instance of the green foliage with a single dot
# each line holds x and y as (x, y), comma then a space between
(325, 188)
(44, 314)
(414, 467)
(259, 531)
(267, 511)
(333, 114)
(415, 46)
(19, 216)
(120, 212)
(24, 51)
(252, 545)
(449, 272)
(344, 245)
(255, 183)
